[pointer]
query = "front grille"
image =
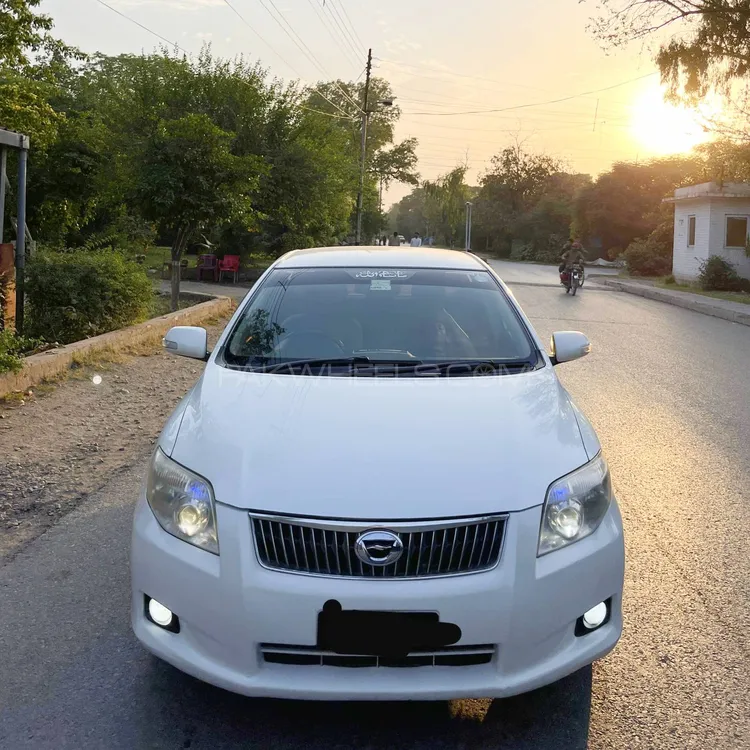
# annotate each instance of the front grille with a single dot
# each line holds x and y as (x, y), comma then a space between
(455, 656)
(429, 548)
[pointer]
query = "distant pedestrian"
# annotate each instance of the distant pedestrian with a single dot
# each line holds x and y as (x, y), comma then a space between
(416, 240)
(383, 240)
(394, 240)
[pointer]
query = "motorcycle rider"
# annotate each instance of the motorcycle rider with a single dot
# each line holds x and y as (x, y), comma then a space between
(572, 254)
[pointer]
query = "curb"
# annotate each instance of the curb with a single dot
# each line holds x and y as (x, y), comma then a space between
(50, 364)
(681, 299)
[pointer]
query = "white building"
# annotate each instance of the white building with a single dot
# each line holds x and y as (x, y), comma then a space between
(710, 219)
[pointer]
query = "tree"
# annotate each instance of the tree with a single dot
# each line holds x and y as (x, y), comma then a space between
(512, 187)
(626, 202)
(445, 206)
(30, 61)
(708, 47)
(189, 178)
(386, 162)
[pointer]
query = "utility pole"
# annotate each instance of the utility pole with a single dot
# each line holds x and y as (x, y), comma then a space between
(363, 149)
(468, 225)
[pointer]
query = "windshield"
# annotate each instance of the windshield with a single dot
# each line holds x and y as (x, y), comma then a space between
(400, 317)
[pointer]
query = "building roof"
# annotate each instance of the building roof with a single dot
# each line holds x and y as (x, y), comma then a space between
(711, 190)
(379, 256)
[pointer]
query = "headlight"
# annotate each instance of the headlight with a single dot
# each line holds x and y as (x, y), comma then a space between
(182, 502)
(575, 506)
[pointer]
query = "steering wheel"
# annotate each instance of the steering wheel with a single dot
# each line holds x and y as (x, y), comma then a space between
(309, 345)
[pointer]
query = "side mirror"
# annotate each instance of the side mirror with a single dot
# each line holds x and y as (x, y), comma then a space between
(567, 346)
(187, 341)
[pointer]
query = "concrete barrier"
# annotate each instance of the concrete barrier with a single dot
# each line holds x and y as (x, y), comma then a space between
(53, 363)
(718, 308)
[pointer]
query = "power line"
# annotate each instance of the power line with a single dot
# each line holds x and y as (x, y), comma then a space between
(490, 80)
(302, 46)
(344, 116)
(324, 20)
(535, 104)
(145, 28)
(252, 28)
(339, 21)
(351, 26)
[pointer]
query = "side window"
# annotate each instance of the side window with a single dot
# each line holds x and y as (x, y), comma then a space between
(736, 231)
(691, 231)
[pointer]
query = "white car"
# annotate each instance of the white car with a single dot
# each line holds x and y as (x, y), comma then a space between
(378, 489)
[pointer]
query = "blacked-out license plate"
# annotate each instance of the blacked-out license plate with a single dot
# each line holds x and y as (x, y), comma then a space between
(366, 632)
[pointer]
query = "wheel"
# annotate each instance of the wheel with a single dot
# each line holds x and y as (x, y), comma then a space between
(567, 290)
(575, 289)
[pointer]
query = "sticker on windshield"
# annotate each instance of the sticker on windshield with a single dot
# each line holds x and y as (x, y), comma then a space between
(380, 273)
(380, 285)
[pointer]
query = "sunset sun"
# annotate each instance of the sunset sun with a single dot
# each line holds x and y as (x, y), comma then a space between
(662, 128)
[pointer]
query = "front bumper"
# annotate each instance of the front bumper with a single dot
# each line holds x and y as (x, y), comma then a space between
(526, 607)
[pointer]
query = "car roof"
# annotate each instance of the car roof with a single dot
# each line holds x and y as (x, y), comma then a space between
(379, 255)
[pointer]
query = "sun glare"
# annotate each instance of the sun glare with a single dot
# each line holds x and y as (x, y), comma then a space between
(662, 128)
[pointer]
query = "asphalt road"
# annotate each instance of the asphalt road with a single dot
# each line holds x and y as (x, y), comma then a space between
(669, 393)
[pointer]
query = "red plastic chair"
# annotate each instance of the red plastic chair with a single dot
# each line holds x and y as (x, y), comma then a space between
(208, 264)
(230, 264)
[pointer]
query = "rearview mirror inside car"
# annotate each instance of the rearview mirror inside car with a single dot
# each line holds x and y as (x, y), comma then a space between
(187, 341)
(567, 346)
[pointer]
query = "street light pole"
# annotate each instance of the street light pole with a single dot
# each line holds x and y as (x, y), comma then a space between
(468, 225)
(363, 150)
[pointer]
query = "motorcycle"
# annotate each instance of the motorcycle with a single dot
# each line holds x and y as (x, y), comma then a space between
(572, 278)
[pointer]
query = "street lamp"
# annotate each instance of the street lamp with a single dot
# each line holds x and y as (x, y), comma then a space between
(468, 225)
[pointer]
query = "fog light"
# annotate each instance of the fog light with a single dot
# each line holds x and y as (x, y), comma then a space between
(595, 616)
(160, 614)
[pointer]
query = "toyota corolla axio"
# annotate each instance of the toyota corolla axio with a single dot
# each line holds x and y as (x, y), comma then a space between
(378, 489)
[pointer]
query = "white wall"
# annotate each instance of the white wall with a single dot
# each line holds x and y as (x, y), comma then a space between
(686, 260)
(720, 209)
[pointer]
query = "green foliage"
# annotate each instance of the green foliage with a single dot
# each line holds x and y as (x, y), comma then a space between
(717, 274)
(189, 177)
(626, 202)
(445, 206)
(12, 350)
(670, 279)
(652, 256)
(77, 294)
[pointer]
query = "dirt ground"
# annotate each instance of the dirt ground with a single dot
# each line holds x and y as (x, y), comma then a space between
(66, 440)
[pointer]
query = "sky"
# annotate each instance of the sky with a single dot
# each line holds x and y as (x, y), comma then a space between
(442, 58)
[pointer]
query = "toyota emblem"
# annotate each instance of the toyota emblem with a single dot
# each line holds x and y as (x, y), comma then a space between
(378, 548)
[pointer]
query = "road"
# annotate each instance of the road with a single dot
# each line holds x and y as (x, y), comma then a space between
(669, 393)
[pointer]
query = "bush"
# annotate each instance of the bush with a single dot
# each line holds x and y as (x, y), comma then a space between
(719, 275)
(77, 294)
(670, 279)
(12, 349)
(652, 256)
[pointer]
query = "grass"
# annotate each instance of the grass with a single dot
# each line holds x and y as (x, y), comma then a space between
(159, 254)
(662, 283)
(161, 304)
(743, 297)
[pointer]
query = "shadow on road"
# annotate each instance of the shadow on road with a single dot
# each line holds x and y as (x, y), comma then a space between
(553, 717)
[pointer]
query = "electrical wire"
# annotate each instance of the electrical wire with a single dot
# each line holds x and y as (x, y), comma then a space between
(339, 21)
(535, 104)
(479, 78)
(288, 29)
(324, 20)
(352, 26)
(185, 52)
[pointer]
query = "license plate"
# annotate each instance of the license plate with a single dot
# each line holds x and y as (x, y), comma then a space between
(374, 633)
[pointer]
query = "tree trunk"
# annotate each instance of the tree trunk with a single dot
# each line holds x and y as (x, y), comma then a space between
(177, 249)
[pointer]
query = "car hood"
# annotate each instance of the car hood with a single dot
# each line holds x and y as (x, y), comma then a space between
(378, 448)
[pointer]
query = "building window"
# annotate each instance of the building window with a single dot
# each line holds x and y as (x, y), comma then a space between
(736, 231)
(691, 231)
